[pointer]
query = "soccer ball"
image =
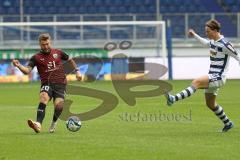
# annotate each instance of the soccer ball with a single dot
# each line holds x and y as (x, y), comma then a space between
(73, 124)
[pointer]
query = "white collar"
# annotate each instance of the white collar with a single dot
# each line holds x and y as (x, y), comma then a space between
(221, 37)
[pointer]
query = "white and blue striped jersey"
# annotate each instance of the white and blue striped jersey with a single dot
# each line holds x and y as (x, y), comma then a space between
(220, 52)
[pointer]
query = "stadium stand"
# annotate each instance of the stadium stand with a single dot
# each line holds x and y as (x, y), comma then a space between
(180, 12)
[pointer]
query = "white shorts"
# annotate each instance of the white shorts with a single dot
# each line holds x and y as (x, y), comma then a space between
(215, 82)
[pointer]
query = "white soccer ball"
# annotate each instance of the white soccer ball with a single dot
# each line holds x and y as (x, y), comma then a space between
(73, 124)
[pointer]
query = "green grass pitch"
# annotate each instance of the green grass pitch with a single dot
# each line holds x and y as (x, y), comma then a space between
(188, 131)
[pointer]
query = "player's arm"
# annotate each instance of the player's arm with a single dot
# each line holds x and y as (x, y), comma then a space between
(230, 50)
(73, 65)
(203, 41)
(23, 69)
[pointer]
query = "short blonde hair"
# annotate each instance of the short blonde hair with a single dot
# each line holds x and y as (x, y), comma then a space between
(44, 37)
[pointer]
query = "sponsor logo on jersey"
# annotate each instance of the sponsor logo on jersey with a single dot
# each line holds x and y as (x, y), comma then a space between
(213, 52)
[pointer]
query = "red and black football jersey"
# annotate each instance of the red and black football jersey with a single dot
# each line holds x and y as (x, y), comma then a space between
(50, 66)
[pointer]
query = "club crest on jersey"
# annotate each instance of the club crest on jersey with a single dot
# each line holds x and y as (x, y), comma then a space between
(213, 52)
(55, 56)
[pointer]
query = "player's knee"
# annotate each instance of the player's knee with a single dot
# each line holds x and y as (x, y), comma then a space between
(59, 104)
(44, 98)
(196, 83)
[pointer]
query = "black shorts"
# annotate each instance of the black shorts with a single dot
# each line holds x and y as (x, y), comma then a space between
(54, 90)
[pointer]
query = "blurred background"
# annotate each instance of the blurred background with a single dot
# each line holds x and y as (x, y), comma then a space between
(184, 57)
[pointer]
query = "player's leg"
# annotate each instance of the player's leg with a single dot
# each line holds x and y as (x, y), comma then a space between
(58, 107)
(44, 97)
(59, 95)
(210, 97)
(199, 83)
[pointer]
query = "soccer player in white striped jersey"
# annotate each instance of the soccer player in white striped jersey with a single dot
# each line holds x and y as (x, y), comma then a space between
(220, 52)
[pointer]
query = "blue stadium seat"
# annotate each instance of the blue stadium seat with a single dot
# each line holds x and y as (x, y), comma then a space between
(98, 3)
(235, 8)
(2, 10)
(52, 10)
(10, 3)
(36, 3)
(230, 2)
(94, 18)
(137, 2)
(94, 32)
(118, 3)
(151, 9)
(102, 9)
(58, 3)
(146, 18)
(41, 18)
(108, 3)
(88, 2)
(82, 10)
(68, 3)
(72, 10)
(112, 9)
(127, 2)
(227, 25)
(133, 9)
(182, 9)
(166, 2)
(13, 10)
(201, 9)
(67, 18)
(121, 18)
(27, 3)
(62, 10)
(48, 3)
(11, 33)
(11, 19)
(142, 9)
(91, 10)
(192, 8)
(188, 6)
(163, 9)
(145, 32)
(77, 3)
(122, 9)
(149, 2)
(30, 10)
(122, 6)
(41, 10)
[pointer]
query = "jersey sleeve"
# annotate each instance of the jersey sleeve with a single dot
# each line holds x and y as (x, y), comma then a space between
(65, 56)
(203, 41)
(230, 50)
(32, 62)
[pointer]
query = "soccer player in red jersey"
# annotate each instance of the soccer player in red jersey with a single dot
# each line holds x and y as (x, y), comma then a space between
(49, 63)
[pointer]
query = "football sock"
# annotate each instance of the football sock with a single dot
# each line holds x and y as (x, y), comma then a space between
(185, 93)
(57, 111)
(41, 112)
(221, 115)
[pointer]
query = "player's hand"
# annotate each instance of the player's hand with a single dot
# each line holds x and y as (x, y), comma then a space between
(191, 33)
(16, 63)
(78, 76)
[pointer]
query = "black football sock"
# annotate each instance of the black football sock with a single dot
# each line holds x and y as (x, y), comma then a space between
(57, 111)
(41, 112)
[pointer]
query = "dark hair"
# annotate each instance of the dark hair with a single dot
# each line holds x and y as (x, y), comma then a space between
(44, 37)
(213, 25)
